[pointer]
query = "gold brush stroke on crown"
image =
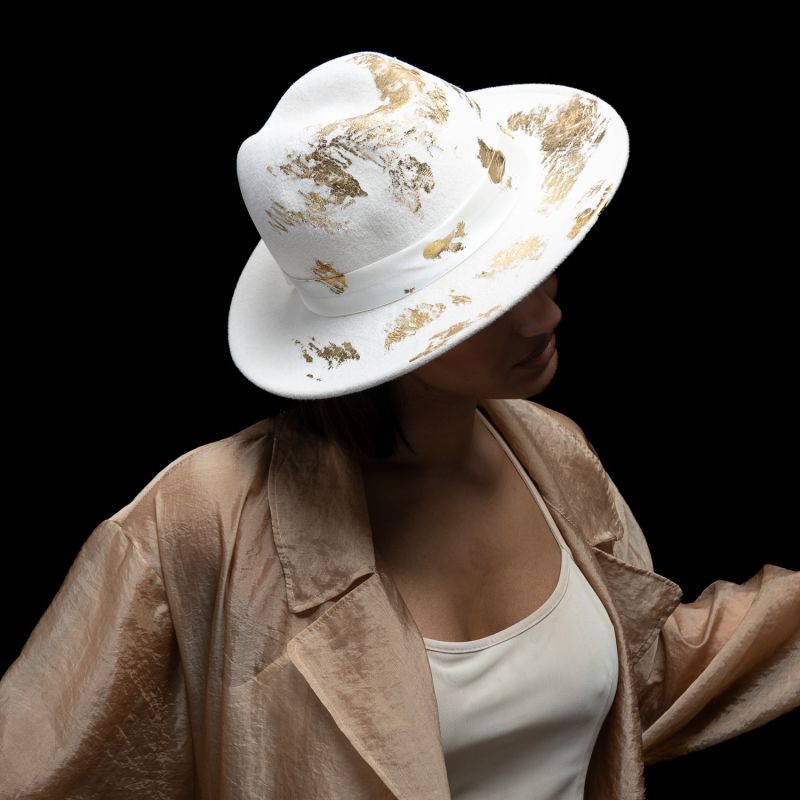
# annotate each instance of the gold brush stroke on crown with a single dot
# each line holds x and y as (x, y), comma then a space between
(493, 160)
(333, 354)
(511, 257)
(326, 274)
(441, 338)
(464, 96)
(568, 134)
(409, 177)
(370, 136)
(435, 248)
(585, 215)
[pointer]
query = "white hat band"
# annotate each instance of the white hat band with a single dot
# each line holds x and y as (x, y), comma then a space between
(394, 276)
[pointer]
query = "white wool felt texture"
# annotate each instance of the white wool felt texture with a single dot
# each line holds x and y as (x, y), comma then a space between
(391, 187)
(560, 174)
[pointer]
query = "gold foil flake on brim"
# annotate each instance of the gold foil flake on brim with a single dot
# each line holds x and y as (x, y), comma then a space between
(411, 320)
(438, 246)
(325, 273)
(333, 354)
(593, 190)
(506, 131)
(587, 214)
(493, 160)
(440, 339)
(568, 134)
(511, 257)
(459, 299)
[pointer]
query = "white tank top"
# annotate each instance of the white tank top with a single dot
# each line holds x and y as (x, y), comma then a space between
(520, 710)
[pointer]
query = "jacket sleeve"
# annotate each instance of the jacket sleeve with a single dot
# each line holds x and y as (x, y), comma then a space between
(94, 706)
(721, 665)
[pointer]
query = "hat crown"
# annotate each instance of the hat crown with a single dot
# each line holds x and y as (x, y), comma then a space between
(363, 157)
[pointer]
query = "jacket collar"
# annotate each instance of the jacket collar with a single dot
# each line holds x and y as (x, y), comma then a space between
(363, 655)
(310, 480)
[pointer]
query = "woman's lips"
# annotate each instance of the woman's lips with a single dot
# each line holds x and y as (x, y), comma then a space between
(541, 357)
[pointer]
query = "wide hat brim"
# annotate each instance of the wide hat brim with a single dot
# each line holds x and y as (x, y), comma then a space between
(573, 167)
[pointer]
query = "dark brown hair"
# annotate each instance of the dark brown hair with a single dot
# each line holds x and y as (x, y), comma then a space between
(365, 423)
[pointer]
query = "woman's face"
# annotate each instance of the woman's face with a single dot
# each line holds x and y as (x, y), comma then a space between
(486, 364)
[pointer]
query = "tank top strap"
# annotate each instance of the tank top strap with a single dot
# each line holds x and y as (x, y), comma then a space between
(534, 490)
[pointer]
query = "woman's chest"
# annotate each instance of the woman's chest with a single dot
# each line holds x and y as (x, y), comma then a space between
(468, 563)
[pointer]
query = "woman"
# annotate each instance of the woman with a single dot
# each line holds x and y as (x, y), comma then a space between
(453, 470)
(414, 582)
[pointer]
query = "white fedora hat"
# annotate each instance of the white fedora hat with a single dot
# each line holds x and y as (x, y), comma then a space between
(399, 214)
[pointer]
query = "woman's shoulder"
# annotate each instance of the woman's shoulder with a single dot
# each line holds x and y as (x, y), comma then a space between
(534, 412)
(191, 493)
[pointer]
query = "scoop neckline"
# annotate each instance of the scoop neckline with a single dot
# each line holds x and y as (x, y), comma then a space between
(536, 616)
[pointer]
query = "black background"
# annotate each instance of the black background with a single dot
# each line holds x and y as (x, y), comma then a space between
(676, 349)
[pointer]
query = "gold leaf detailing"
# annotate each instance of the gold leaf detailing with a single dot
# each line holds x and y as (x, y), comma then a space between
(396, 82)
(585, 215)
(411, 320)
(464, 96)
(282, 218)
(513, 256)
(440, 339)
(408, 177)
(435, 248)
(371, 136)
(325, 273)
(326, 164)
(568, 134)
(460, 299)
(434, 105)
(333, 354)
(489, 311)
(493, 160)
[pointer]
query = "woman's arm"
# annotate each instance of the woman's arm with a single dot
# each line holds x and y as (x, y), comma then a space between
(721, 665)
(94, 706)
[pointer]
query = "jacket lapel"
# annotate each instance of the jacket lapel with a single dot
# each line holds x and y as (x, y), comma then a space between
(363, 655)
(583, 502)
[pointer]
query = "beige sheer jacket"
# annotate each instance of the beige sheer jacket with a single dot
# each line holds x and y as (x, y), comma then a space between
(226, 635)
